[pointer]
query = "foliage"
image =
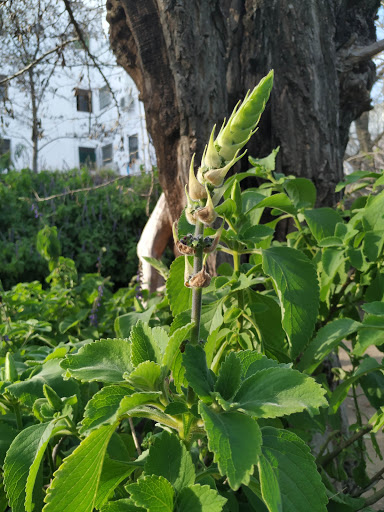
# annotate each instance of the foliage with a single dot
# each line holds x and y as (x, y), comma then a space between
(239, 394)
(110, 217)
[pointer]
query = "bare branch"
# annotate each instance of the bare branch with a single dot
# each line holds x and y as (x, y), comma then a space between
(326, 459)
(361, 53)
(373, 499)
(36, 61)
(91, 56)
(377, 476)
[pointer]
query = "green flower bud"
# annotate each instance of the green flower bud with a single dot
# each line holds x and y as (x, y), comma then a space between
(11, 374)
(207, 215)
(53, 398)
(190, 211)
(196, 190)
(216, 177)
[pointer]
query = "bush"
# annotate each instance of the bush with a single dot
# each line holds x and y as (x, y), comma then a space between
(111, 216)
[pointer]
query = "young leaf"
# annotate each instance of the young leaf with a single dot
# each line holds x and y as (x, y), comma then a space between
(154, 493)
(22, 463)
(169, 458)
(103, 361)
(235, 440)
(228, 379)
(295, 279)
(295, 470)
(162, 269)
(147, 344)
(146, 377)
(180, 297)
(326, 340)
(75, 484)
(173, 348)
(103, 407)
(277, 392)
(269, 485)
(252, 362)
(199, 498)
(197, 373)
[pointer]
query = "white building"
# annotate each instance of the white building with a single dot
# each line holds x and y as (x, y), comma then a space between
(79, 121)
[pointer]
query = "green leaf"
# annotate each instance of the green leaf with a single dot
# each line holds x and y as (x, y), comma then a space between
(146, 377)
(173, 348)
(353, 177)
(147, 344)
(296, 283)
(8, 434)
(124, 323)
(154, 493)
(179, 296)
(277, 392)
(124, 505)
(135, 400)
(228, 380)
(302, 192)
(103, 407)
(199, 498)
(76, 482)
(235, 440)
(326, 340)
(322, 222)
(372, 215)
(112, 474)
(168, 457)
(269, 485)
(373, 245)
(162, 269)
(278, 201)
(49, 373)
(370, 334)
(105, 360)
(374, 308)
(72, 320)
(197, 373)
(295, 470)
(22, 463)
(252, 362)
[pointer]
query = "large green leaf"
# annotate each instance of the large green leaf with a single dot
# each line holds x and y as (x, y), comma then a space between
(279, 201)
(50, 373)
(199, 498)
(76, 482)
(373, 214)
(169, 458)
(103, 407)
(124, 505)
(296, 283)
(322, 222)
(235, 440)
(8, 434)
(124, 323)
(302, 192)
(22, 464)
(112, 474)
(326, 340)
(105, 360)
(295, 470)
(197, 373)
(179, 296)
(154, 493)
(147, 344)
(228, 380)
(269, 485)
(177, 337)
(277, 392)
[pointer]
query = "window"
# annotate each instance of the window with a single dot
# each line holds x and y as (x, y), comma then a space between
(104, 97)
(87, 156)
(133, 147)
(5, 154)
(3, 88)
(106, 153)
(127, 103)
(5, 146)
(84, 100)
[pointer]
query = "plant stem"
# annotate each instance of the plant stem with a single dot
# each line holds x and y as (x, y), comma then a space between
(134, 436)
(197, 293)
(323, 461)
(19, 420)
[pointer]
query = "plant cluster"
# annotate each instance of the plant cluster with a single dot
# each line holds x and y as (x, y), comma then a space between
(111, 217)
(211, 399)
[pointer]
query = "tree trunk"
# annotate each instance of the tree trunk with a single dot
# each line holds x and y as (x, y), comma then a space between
(192, 61)
(35, 123)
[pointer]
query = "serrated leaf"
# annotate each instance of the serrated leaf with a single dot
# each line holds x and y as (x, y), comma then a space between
(162, 269)
(276, 392)
(154, 493)
(302, 192)
(279, 201)
(235, 440)
(145, 377)
(294, 467)
(322, 222)
(326, 340)
(269, 485)
(112, 474)
(103, 407)
(135, 400)
(124, 505)
(372, 215)
(50, 373)
(169, 458)
(252, 362)
(369, 336)
(199, 498)
(228, 379)
(179, 296)
(124, 323)
(197, 373)
(105, 360)
(76, 482)
(296, 283)
(8, 434)
(22, 463)
(147, 344)
(177, 337)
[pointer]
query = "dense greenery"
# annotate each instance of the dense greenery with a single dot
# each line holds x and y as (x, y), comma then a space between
(212, 396)
(110, 217)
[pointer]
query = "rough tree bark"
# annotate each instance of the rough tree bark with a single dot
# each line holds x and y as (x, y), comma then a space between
(193, 60)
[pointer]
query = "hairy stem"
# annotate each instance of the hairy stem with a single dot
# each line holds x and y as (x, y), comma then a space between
(197, 293)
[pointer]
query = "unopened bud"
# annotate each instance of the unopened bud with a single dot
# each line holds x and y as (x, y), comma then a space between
(207, 215)
(190, 211)
(211, 157)
(11, 374)
(180, 245)
(199, 280)
(216, 176)
(196, 189)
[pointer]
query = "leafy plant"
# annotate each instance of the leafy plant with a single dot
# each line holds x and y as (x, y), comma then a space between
(212, 397)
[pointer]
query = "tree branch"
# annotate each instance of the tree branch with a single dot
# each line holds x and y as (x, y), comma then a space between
(361, 53)
(91, 56)
(326, 459)
(36, 61)
(372, 481)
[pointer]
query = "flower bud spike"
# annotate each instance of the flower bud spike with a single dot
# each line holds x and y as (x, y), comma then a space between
(190, 213)
(181, 247)
(207, 215)
(212, 157)
(217, 176)
(196, 189)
